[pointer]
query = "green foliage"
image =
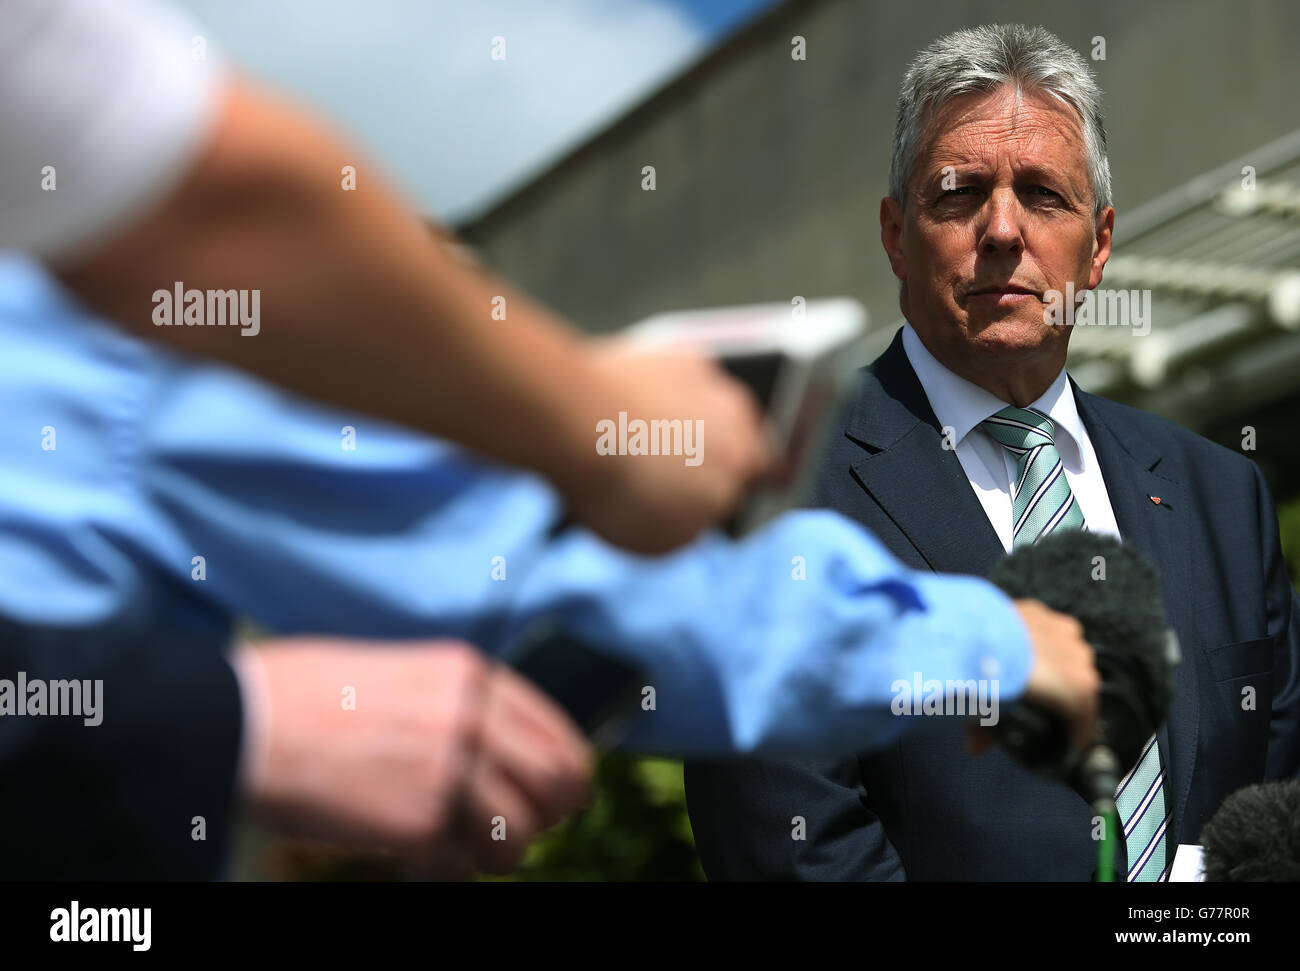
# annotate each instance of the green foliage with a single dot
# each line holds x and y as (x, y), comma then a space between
(1288, 518)
(636, 829)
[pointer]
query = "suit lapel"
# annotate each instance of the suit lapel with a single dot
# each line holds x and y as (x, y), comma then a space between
(1130, 466)
(918, 482)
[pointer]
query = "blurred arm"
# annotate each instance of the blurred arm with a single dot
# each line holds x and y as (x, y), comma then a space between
(168, 170)
(359, 305)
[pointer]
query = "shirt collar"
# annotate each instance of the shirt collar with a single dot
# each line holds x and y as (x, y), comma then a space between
(961, 405)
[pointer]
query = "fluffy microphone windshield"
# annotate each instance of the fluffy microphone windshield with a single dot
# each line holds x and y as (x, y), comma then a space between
(1115, 594)
(1255, 835)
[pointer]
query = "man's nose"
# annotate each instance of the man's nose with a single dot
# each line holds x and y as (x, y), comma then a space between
(1001, 230)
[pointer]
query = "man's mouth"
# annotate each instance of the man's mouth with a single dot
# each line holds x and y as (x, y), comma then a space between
(1002, 294)
(1000, 288)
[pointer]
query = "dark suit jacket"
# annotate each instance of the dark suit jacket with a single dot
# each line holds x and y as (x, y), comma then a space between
(921, 808)
(115, 801)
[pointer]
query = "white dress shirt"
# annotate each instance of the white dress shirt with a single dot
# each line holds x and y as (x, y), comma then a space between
(990, 468)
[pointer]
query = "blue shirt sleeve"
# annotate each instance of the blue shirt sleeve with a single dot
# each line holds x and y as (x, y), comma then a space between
(794, 639)
(805, 637)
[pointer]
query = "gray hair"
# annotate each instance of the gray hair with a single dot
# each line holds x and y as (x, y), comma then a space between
(983, 59)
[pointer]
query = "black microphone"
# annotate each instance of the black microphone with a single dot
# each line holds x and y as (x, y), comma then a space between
(1114, 592)
(1255, 835)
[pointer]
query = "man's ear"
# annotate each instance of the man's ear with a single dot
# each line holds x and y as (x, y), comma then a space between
(891, 235)
(1101, 245)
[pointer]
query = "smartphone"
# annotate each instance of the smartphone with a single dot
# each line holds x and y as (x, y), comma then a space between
(802, 369)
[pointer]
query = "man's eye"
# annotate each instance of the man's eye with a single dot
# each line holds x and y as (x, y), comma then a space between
(1044, 191)
(960, 190)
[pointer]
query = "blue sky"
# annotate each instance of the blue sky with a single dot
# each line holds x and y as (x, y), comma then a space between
(414, 82)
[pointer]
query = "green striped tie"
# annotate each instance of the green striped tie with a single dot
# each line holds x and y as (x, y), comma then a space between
(1042, 502)
(1140, 800)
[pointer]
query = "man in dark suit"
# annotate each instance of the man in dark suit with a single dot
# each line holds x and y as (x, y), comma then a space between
(968, 440)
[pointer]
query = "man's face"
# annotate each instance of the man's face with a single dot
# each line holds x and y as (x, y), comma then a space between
(999, 209)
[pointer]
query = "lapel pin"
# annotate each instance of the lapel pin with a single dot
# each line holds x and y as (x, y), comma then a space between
(1159, 502)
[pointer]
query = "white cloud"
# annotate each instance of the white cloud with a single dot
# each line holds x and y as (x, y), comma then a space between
(414, 82)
